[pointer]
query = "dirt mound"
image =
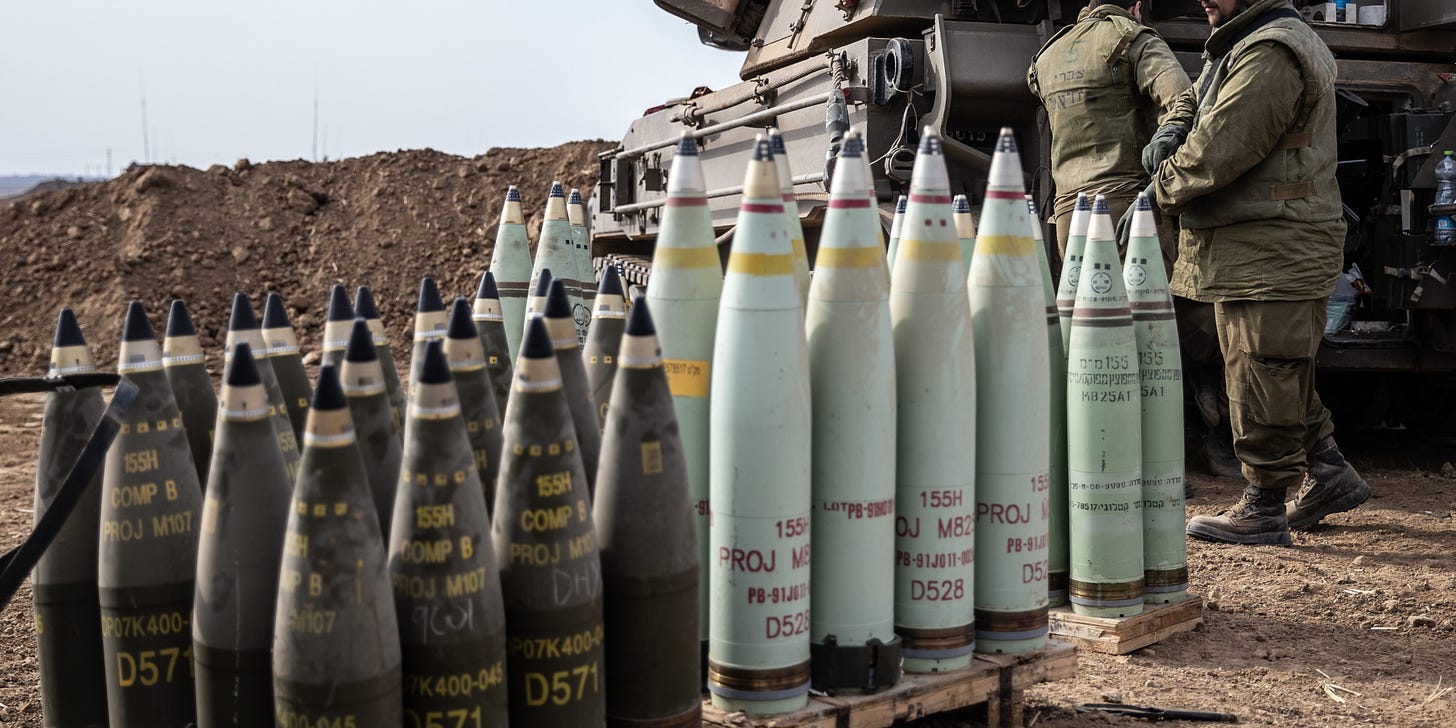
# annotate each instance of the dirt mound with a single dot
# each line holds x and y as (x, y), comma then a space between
(161, 232)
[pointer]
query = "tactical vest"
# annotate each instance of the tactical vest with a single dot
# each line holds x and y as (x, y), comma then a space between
(1099, 122)
(1297, 180)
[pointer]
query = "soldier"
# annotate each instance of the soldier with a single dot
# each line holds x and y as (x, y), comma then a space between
(1106, 81)
(1254, 183)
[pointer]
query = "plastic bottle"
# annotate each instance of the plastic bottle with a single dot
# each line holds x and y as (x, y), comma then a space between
(1445, 195)
(1340, 10)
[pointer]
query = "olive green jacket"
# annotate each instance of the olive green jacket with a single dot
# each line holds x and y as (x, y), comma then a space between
(1254, 183)
(1106, 81)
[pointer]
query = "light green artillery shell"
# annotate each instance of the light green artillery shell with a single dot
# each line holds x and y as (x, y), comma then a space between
(935, 362)
(1160, 371)
(758, 634)
(1013, 417)
(684, 290)
(852, 377)
(1104, 437)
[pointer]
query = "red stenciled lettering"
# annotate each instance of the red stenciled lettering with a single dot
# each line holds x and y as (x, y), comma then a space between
(1012, 513)
(749, 560)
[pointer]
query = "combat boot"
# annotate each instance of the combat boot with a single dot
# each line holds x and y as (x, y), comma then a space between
(1205, 398)
(1218, 454)
(1331, 486)
(1258, 518)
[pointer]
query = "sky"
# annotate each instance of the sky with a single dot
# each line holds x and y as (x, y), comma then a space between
(224, 80)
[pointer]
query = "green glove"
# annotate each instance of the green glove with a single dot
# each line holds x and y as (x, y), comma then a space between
(1124, 224)
(1164, 142)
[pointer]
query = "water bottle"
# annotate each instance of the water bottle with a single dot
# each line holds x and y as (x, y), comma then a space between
(1340, 10)
(1445, 195)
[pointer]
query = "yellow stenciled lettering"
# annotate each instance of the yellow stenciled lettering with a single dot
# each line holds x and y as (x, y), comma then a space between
(553, 484)
(435, 516)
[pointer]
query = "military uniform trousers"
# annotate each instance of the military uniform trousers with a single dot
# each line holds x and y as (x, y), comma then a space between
(1269, 352)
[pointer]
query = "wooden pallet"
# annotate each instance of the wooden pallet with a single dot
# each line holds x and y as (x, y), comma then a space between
(992, 685)
(1121, 636)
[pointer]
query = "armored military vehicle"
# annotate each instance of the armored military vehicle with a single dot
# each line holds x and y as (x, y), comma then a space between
(812, 68)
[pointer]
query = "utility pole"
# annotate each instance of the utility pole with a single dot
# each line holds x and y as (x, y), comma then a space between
(315, 122)
(146, 134)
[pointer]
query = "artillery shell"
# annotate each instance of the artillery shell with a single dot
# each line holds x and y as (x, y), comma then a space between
(186, 370)
(287, 364)
(510, 264)
(935, 492)
(1160, 373)
(684, 290)
(1104, 435)
(336, 647)
(446, 590)
(363, 380)
(644, 519)
(243, 517)
(758, 633)
(1013, 416)
(478, 409)
(364, 308)
(573, 378)
(243, 328)
(600, 353)
(337, 325)
(150, 504)
(546, 549)
(67, 613)
(852, 373)
(490, 324)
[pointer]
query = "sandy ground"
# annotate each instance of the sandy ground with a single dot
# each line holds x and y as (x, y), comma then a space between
(1363, 602)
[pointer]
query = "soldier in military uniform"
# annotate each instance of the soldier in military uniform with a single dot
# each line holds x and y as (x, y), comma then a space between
(1247, 159)
(1106, 81)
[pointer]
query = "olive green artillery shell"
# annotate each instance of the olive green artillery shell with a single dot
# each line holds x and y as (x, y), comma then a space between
(446, 590)
(379, 448)
(391, 375)
(292, 378)
(244, 514)
(150, 508)
(192, 388)
(578, 399)
(336, 655)
(498, 357)
(278, 412)
(550, 572)
(67, 613)
(599, 356)
(482, 426)
(645, 521)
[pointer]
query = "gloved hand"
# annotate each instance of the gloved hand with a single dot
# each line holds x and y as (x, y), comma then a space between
(1124, 224)
(1165, 141)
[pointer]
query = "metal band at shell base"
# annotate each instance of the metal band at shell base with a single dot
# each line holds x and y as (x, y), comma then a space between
(1008, 626)
(1057, 583)
(935, 644)
(868, 667)
(740, 684)
(690, 719)
(1165, 580)
(1092, 594)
